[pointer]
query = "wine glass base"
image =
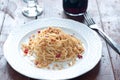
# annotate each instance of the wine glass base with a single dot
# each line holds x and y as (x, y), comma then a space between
(32, 12)
(70, 14)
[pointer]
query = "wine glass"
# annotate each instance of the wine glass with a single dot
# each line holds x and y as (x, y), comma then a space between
(32, 9)
(75, 7)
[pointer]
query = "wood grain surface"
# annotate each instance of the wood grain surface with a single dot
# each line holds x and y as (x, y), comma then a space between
(106, 14)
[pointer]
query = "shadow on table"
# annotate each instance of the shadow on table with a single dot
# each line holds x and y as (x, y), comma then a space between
(91, 75)
(13, 75)
(76, 18)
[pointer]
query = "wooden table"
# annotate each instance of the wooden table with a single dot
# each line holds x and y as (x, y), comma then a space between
(106, 14)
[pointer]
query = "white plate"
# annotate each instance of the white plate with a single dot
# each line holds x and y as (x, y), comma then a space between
(90, 39)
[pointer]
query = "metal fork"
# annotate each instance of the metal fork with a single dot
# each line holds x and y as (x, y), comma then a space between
(93, 26)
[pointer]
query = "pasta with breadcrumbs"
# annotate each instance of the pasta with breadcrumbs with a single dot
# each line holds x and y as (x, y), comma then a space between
(52, 45)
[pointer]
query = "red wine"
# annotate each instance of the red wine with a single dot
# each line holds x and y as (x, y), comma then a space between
(75, 6)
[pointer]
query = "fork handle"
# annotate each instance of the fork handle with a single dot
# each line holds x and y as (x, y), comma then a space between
(112, 43)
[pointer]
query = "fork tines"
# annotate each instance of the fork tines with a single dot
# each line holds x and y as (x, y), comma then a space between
(88, 19)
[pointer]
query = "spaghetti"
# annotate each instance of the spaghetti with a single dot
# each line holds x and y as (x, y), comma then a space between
(52, 45)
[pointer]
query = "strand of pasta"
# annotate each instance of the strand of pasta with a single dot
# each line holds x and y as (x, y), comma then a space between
(52, 44)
